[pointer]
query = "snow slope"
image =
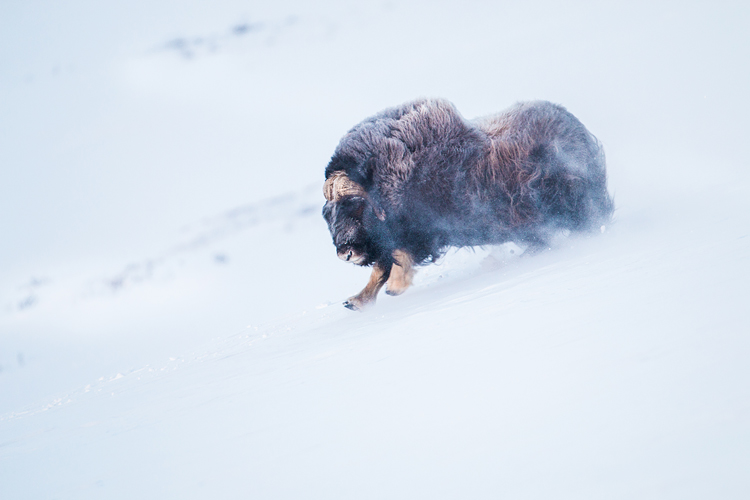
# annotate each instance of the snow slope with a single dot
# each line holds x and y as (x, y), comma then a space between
(169, 298)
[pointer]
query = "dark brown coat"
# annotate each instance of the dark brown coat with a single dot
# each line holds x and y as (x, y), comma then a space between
(419, 178)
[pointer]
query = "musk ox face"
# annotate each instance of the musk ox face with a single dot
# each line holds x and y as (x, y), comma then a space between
(345, 218)
(352, 219)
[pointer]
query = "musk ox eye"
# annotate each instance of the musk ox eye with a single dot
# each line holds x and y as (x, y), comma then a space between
(352, 206)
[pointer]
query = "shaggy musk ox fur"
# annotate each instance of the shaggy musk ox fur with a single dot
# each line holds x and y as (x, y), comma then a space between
(411, 181)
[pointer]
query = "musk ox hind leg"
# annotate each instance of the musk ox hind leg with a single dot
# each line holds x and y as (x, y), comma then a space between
(369, 293)
(402, 273)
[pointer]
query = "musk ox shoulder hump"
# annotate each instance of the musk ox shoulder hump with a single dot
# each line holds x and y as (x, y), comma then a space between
(396, 133)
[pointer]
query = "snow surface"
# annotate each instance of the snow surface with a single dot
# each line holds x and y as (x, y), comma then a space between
(170, 318)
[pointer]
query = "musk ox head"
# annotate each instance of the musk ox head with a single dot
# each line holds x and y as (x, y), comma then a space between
(353, 219)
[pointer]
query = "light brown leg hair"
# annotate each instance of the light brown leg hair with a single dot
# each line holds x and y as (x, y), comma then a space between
(402, 273)
(370, 292)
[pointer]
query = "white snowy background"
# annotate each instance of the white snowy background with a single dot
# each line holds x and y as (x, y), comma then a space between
(170, 318)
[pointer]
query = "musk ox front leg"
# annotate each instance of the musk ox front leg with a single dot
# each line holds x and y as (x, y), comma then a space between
(402, 273)
(369, 293)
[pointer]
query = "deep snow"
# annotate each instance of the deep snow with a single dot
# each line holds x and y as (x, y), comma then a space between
(170, 319)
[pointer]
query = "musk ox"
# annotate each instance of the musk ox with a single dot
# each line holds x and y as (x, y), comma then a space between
(411, 181)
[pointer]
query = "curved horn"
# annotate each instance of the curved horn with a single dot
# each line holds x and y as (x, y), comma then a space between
(339, 185)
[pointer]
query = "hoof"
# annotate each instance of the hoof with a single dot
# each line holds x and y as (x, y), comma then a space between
(357, 303)
(394, 292)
